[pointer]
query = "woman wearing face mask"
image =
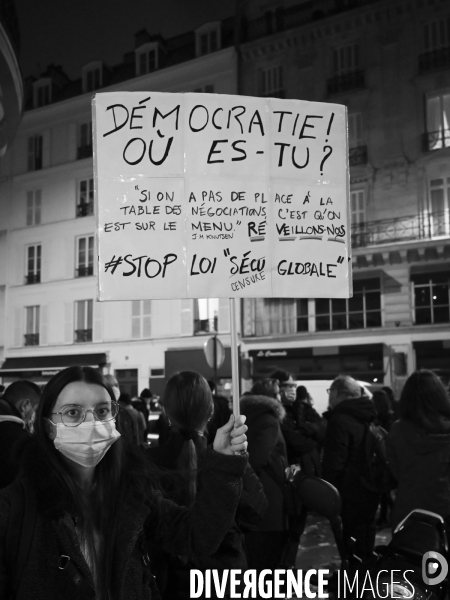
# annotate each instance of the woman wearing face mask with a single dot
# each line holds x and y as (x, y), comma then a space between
(97, 504)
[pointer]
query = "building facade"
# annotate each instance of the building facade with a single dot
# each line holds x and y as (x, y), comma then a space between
(388, 61)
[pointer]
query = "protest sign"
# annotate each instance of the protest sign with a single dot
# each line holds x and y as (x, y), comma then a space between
(208, 195)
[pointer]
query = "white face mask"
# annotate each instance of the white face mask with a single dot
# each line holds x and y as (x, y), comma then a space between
(86, 444)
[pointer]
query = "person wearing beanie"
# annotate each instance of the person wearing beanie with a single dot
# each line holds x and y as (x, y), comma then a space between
(350, 412)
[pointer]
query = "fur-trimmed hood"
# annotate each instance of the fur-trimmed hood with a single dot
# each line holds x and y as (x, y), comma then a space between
(255, 406)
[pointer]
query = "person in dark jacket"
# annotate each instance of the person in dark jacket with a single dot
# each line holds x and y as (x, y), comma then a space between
(418, 447)
(350, 414)
(267, 456)
(16, 410)
(97, 502)
(188, 405)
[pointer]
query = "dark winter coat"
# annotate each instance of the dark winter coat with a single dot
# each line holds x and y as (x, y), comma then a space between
(344, 452)
(420, 462)
(267, 455)
(12, 432)
(175, 529)
(301, 445)
(230, 554)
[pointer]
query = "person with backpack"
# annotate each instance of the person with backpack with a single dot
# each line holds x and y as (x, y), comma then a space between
(344, 463)
(418, 447)
(91, 504)
(189, 405)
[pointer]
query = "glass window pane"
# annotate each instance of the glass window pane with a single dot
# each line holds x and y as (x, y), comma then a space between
(356, 303)
(440, 294)
(302, 324)
(441, 314)
(91, 251)
(339, 321)
(147, 307)
(323, 323)
(423, 316)
(373, 301)
(422, 296)
(146, 327)
(322, 306)
(356, 320)
(29, 319)
(80, 314)
(339, 305)
(373, 319)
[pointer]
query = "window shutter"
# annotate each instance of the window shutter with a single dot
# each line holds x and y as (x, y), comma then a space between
(37, 207)
(146, 318)
(46, 148)
(18, 327)
(224, 315)
(43, 336)
(187, 322)
(135, 319)
(68, 322)
(29, 208)
(72, 142)
(98, 322)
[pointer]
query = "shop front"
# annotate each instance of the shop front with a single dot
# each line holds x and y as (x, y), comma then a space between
(40, 369)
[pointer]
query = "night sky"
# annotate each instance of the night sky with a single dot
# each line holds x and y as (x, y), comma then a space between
(72, 33)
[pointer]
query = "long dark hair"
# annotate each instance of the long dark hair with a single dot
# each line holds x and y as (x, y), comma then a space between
(100, 509)
(425, 402)
(188, 405)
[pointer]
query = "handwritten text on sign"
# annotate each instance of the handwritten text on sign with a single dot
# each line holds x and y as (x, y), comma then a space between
(207, 195)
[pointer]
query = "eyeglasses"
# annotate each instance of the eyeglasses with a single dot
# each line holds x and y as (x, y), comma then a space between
(73, 415)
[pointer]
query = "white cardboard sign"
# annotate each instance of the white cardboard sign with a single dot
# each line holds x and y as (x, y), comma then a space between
(208, 195)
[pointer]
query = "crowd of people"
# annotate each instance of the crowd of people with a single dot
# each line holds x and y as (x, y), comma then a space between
(106, 515)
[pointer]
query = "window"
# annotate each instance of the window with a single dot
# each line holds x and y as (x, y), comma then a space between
(436, 34)
(346, 59)
(439, 206)
(361, 311)
(33, 268)
(83, 320)
(438, 121)
(206, 314)
(34, 207)
(358, 207)
(277, 316)
(431, 298)
(85, 204)
(32, 326)
(42, 93)
(355, 135)
(272, 82)
(35, 147)
(85, 256)
(147, 60)
(208, 38)
(141, 312)
(84, 149)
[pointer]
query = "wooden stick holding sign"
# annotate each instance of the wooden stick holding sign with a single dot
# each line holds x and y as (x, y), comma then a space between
(234, 359)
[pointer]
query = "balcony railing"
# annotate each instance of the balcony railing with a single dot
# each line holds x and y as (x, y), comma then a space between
(434, 60)
(33, 278)
(84, 209)
(83, 335)
(435, 140)
(31, 339)
(424, 226)
(205, 325)
(357, 156)
(346, 82)
(84, 152)
(85, 271)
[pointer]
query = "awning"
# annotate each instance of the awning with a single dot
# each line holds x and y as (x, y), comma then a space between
(193, 359)
(49, 364)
